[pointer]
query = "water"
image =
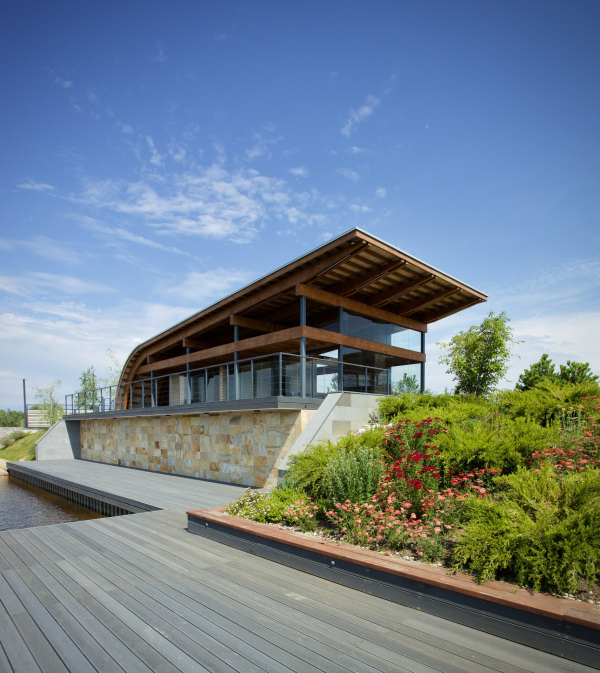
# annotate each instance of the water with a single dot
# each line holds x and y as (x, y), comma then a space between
(23, 506)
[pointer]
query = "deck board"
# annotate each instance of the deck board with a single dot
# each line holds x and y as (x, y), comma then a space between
(139, 593)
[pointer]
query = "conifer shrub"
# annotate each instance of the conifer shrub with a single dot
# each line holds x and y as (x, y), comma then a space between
(538, 530)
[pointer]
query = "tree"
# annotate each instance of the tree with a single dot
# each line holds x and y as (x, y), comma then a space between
(48, 401)
(538, 372)
(11, 419)
(576, 372)
(572, 372)
(407, 384)
(88, 391)
(478, 358)
(113, 371)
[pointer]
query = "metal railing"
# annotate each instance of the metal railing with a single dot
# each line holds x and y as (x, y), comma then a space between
(280, 374)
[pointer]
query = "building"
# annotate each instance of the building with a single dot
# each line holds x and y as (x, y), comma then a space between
(229, 392)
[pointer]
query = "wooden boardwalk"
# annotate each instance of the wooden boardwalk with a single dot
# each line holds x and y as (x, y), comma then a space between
(139, 593)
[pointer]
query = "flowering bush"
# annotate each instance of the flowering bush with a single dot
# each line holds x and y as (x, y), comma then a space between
(282, 505)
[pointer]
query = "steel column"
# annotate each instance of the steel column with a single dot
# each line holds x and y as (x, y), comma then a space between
(188, 377)
(236, 359)
(422, 363)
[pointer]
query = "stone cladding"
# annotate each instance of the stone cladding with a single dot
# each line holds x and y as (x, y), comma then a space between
(234, 447)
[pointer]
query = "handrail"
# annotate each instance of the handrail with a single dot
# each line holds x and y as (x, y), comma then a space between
(281, 377)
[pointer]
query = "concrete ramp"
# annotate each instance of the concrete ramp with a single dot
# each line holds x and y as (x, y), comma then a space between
(338, 415)
(61, 442)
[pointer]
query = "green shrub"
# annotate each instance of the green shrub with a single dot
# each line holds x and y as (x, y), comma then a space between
(353, 475)
(306, 470)
(452, 408)
(8, 440)
(500, 443)
(538, 531)
(282, 504)
(544, 401)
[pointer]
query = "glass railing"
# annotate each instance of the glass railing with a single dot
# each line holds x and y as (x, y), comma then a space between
(280, 374)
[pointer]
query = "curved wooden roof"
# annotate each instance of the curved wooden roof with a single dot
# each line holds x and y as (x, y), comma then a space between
(356, 271)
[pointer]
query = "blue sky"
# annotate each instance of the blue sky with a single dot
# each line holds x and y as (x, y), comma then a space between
(156, 156)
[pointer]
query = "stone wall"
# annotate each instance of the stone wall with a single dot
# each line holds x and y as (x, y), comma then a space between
(235, 447)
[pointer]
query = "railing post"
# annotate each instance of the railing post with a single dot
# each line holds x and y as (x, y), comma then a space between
(85, 401)
(131, 395)
(26, 411)
(280, 374)
(152, 390)
(143, 394)
(340, 369)
(110, 398)
(303, 366)
(366, 379)
(252, 379)
(206, 384)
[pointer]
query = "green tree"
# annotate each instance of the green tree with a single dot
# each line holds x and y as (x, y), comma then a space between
(48, 401)
(576, 372)
(407, 384)
(478, 358)
(11, 419)
(88, 391)
(538, 372)
(113, 371)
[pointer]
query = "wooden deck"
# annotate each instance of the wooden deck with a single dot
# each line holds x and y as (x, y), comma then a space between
(139, 593)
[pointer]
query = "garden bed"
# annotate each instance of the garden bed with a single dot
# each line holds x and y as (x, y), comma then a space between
(562, 627)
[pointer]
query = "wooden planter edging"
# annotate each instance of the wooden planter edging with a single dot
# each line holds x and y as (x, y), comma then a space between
(561, 627)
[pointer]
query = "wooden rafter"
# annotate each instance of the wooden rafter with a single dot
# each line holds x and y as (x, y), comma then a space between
(382, 298)
(449, 310)
(187, 342)
(425, 301)
(355, 284)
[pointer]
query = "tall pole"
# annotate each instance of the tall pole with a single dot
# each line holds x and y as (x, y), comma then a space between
(236, 366)
(303, 348)
(188, 380)
(422, 363)
(24, 404)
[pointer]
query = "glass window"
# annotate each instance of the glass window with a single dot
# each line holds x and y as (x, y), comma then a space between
(384, 333)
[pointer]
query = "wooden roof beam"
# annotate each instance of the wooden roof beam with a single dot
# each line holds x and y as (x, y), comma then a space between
(355, 284)
(382, 298)
(358, 307)
(425, 301)
(187, 342)
(252, 323)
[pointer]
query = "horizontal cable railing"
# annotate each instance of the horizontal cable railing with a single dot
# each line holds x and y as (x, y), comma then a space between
(280, 374)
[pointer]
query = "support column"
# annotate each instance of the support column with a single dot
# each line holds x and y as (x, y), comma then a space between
(340, 351)
(188, 379)
(152, 390)
(236, 367)
(303, 348)
(422, 363)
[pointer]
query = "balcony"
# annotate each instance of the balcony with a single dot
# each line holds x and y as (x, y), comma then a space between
(278, 380)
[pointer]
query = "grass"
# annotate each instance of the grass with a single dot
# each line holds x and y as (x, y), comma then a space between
(22, 449)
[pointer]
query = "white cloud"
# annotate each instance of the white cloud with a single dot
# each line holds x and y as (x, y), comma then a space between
(381, 192)
(358, 116)
(204, 201)
(357, 150)
(65, 83)
(35, 186)
(199, 287)
(349, 174)
(299, 171)
(57, 251)
(156, 158)
(29, 285)
(160, 56)
(355, 207)
(110, 233)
